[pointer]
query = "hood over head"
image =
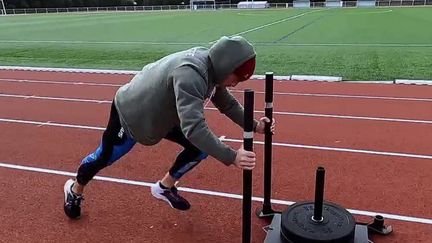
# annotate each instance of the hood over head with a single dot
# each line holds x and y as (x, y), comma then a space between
(232, 55)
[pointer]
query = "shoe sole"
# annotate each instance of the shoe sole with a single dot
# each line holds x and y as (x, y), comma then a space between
(160, 197)
(66, 188)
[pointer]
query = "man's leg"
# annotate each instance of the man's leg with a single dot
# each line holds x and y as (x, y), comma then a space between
(190, 157)
(115, 143)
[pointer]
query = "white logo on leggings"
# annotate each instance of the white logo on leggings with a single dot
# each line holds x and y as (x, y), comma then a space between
(121, 132)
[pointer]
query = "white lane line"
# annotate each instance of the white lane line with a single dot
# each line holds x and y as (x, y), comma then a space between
(344, 117)
(225, 139)
(335, 149)
(69, 70)
(208, 192)
(58, 82)
(234, 90)
(55, 98)
(353, 117)
(214, 109)
(51, 124)
(343, 96)
(45, 123)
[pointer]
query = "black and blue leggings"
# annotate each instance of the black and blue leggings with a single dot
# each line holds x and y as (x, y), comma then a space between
(116, 143)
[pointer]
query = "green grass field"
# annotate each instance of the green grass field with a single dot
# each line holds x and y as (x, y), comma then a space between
(357, 44)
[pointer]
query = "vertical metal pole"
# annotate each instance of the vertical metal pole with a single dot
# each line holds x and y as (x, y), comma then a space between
(319, 194)
(268, 139)
(267, 210)
(247, 174)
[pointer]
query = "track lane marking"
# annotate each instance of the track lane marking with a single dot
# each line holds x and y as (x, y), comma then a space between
(384, 119)
(209, 192)
(232, 90)
(225, 139)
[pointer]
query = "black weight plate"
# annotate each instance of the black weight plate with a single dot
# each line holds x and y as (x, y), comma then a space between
(297, 226)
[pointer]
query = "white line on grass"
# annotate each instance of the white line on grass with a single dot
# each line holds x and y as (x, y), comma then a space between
(157, 43)
(272, 23)
(214, 109)
(277, 22)
(211, 42)
(208, 192)
(370, 12)
(101, 42)
(345, 44)
(225, 139)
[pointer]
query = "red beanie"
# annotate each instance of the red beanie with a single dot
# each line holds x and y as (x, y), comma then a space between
(245, 71)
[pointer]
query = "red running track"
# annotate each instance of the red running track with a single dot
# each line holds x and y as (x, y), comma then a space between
(396, 185)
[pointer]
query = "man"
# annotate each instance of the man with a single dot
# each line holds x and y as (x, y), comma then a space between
(167, 100)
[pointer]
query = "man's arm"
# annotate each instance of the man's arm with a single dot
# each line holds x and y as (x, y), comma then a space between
(190, 89)
(228, 105)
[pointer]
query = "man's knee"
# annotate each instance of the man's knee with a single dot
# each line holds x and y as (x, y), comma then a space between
(201, 156)
(185, 162)
(93, 163)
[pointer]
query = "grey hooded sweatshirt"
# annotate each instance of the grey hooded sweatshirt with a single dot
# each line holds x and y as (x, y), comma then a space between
(172, 92)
